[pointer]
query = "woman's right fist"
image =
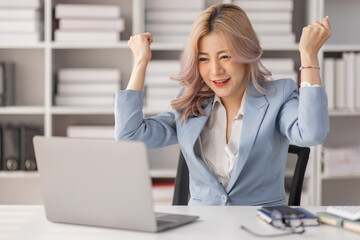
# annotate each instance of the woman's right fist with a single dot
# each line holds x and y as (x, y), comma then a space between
(140, 46)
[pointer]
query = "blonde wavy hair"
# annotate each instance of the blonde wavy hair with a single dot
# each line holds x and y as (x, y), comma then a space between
(233, 25)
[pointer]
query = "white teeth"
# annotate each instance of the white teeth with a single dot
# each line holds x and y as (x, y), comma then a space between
(220, 81)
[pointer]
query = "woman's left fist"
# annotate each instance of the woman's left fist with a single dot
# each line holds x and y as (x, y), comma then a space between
(314, 36)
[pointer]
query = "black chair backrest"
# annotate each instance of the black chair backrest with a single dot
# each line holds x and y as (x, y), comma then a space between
(294, 177)
(181, 192)
(294, 174)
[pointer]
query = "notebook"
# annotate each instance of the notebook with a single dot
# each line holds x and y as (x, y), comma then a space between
(101, 183)
(349, 212)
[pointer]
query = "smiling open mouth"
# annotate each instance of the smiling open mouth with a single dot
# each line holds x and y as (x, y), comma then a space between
(220, 83)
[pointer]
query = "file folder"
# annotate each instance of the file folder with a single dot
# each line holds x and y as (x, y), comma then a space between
(27, 154)
(1, 147)
(11, 137)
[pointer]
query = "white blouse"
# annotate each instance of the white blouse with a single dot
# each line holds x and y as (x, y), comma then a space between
(219, 156)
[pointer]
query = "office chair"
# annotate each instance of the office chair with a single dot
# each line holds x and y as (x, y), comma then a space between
(294, 176)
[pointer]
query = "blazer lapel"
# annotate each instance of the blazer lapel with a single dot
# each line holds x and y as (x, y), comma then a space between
(190, 142)
(194, 126)
(255, 110)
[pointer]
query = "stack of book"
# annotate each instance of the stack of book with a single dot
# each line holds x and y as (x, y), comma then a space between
(340, 82)
(340, 162)
(170, 21)
(308, 218)
(271, 19)
(92, 87)
(88, 22)
(21, 21)
(7, 84)
(281, 68)
(346, 217)
(160, 89)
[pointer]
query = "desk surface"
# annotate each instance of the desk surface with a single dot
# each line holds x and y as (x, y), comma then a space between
(29, 222)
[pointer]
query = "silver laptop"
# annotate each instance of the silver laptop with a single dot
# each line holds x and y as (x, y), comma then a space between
(99, 183)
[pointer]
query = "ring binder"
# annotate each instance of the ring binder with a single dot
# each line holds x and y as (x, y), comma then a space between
(11, 137)
(7, 95)
(27, 154)
(1, 147)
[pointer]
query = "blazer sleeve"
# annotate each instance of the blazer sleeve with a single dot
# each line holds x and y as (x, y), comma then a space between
(158, 131)
(305, 119)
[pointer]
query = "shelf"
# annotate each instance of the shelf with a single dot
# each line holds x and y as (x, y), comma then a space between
(22, 174)
(81, 110)
(280, 47)
(19, 45)
(90, 45)
(167, 46)
(349, 177)
(337, 113)
(163, 173)
(22, 110)
(19, 174)
(341, 47)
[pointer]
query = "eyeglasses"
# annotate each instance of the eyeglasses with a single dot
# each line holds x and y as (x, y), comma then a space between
(292, 222)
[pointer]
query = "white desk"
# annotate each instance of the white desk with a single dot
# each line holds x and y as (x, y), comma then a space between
(29, 222)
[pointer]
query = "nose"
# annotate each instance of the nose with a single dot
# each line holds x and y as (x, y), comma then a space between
(216, 68)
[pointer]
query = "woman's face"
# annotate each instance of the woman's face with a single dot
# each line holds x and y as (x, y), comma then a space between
(218, 69)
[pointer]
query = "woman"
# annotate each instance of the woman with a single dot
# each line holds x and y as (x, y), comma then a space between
(233, 125)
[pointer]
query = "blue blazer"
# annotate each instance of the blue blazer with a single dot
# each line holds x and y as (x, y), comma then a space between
(270, 121)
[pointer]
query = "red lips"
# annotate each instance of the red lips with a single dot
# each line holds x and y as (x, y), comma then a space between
(221, 84)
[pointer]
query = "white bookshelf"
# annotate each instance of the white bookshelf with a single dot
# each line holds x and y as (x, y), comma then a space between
(22, 46)
(89, 45)
(280, 47)
(22, 110)
(344, 127)
(77, 110)
(334, 113)
(352, 177)
(35, 81)
(155, 173)
(341, 47)
(20, 188)
(167, 46)
(18, 175)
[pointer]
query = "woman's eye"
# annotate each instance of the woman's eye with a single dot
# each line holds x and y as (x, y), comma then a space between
(225, 57)
(202, 59)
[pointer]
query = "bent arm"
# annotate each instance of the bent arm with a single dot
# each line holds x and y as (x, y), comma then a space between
(157, 131)
(304, 120)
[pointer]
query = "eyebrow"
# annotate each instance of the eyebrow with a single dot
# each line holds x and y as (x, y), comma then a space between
(203, 53)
